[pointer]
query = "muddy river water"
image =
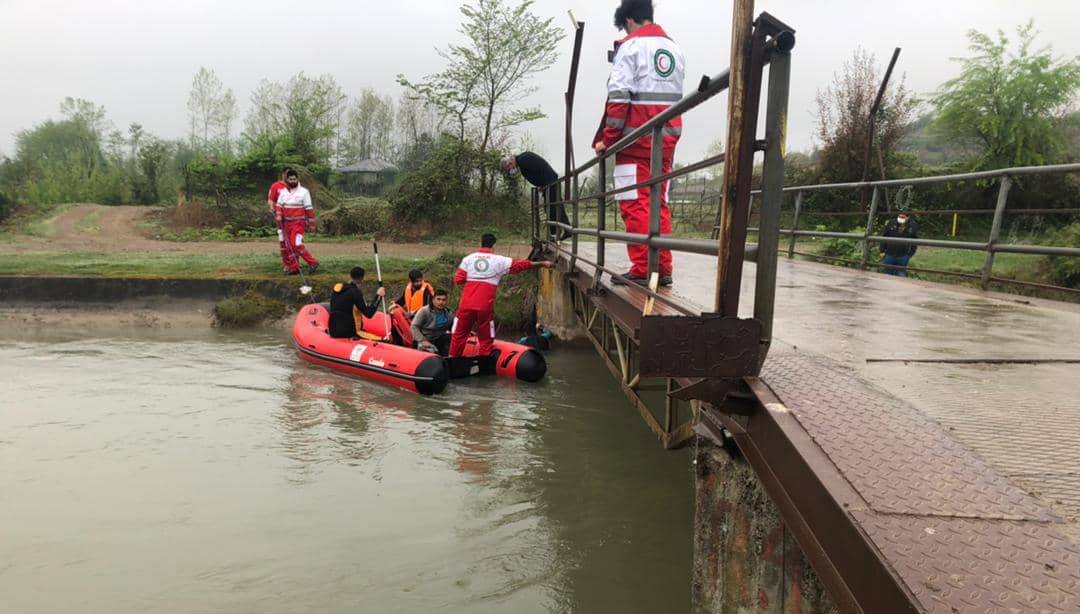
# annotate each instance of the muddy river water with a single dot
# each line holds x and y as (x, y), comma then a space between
(210, 471)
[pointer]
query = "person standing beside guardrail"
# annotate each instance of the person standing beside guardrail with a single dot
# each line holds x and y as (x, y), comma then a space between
(647, 75)
(894, 255)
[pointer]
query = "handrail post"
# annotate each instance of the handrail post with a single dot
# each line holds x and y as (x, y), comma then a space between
(656, 168)
(534, 216)
(772, 197)
(601, 221)
(995, 230)
(574, 237)
(795, 224)
(744, 93)
(869, 228)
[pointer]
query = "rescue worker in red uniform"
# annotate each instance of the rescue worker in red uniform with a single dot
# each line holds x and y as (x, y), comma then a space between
(295, 213)
(646, 79)
(481, 272)
(271, 201)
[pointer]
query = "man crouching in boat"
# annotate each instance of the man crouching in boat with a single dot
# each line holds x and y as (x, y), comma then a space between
(481, 272)
(347, 304)
(431, 325)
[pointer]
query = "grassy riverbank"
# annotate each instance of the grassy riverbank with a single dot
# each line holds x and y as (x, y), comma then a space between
(513, 310)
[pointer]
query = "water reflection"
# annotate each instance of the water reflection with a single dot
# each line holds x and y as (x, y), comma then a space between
(277, 486)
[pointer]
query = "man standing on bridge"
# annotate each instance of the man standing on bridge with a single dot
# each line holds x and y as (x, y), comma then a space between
(481, 272)
(646, 79)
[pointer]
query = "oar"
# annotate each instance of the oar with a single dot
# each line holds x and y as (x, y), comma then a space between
(378, 275)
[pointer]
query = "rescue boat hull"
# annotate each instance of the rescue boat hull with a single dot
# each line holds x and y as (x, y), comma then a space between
(383, 362)
(508, 359)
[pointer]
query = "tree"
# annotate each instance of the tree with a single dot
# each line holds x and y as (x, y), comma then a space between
(417, 119)
(1012, 103)
(306, 110)
(843, 119)
(86, 114)
(369, 128)
(489, 76)
(211, 112)
(153, 159)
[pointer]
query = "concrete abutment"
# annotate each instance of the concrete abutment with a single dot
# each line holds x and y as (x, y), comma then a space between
(745, 559)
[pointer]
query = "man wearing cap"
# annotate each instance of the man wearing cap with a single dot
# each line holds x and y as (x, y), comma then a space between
(894, 255)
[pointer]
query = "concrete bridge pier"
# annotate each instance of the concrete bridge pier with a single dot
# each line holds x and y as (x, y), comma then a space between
(555, 305)
(745, 559)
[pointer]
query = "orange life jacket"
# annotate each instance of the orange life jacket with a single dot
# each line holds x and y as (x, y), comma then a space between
(414, 299)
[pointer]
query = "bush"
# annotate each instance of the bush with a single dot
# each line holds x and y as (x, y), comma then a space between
(456, 188)
(847, 249)
(1065, 270)
(248, 310)
(357, 216)
(7, 207)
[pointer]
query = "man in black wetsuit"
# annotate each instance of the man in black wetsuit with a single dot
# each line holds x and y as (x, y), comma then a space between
(538, 172)
(346, 301)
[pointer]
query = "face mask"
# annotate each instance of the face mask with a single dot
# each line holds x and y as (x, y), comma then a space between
(514, 172)
(901, 220)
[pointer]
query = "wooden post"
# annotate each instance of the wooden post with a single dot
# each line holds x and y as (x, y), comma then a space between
(742, 27)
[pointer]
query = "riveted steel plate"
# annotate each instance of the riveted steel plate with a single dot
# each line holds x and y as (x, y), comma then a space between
(703, 346)
(896, 458)
(976, 565)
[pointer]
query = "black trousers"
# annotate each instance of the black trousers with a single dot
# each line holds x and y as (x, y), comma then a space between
(441, 343)
(556, 213)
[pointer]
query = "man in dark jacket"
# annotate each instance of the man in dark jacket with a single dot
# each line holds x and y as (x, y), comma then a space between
(539, 173)
(347, 303)
(896, 255)
(431, 325)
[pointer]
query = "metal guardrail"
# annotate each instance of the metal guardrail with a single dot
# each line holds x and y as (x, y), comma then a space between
(991, 246)
(772, 43)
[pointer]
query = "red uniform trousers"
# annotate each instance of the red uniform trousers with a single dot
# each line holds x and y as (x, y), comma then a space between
(286, 253)
(294, 246)
(484, 322)
(635, 214)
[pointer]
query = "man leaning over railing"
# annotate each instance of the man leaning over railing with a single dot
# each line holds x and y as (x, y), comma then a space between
(646, 79)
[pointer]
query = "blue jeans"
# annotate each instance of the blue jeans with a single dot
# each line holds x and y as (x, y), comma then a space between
(900, 261)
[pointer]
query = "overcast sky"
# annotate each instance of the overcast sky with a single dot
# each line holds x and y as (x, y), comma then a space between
(137, 57)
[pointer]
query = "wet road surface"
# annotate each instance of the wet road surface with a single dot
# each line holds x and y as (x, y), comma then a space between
(1022, 419)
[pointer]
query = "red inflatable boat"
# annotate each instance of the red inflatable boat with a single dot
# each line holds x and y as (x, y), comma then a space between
(423, 372)
(384, 362)
(507, 359)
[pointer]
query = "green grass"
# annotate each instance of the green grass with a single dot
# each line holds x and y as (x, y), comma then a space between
(1019, 267)
(33, 221)
(513, 307)
(247, 310)
(90, 223)
(193, 266)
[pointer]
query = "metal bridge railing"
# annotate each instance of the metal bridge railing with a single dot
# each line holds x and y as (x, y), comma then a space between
(991, 246)
(772, 43)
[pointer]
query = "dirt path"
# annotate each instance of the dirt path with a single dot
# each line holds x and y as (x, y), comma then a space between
(89, 228)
